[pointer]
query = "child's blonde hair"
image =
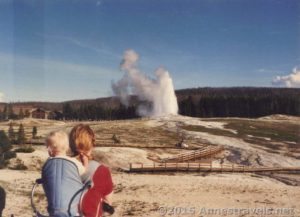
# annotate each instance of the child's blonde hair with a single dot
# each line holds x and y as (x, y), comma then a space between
(57, 142)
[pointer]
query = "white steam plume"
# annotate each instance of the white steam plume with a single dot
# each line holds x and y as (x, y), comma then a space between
(291, 80)
(2, 97)
(158, 91)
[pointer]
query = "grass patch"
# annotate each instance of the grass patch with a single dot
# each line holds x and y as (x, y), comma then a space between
(137, 135)
(25, 149)
(18, 165)
(280, 132)
(258, 132)
(214, 131)
(274, 147)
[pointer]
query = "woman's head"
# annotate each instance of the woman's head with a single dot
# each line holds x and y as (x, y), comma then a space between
(82, 140)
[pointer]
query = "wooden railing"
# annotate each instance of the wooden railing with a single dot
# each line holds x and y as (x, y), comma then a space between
(201, 167)
(193, 155)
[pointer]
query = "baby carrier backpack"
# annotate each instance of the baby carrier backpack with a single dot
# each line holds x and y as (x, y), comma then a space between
(63, 188)
(67, 196)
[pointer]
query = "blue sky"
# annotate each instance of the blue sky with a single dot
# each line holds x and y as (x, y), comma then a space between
(55, 50)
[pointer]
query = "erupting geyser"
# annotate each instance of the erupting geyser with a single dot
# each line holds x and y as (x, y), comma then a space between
(159, 91)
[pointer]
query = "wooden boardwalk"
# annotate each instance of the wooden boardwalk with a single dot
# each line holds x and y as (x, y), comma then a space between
(193, 155)
(202, 167)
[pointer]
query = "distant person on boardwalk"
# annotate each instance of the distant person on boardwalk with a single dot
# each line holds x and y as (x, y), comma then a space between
(98, 198)
(2, 200)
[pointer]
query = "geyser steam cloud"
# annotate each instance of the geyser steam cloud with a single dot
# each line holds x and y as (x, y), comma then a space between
(159, 91)
(2, 96)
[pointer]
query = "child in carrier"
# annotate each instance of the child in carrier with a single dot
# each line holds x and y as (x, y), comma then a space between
(57, 144)
(61, 176)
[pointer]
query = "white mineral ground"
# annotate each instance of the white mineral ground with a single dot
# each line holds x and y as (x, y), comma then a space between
(142, 194)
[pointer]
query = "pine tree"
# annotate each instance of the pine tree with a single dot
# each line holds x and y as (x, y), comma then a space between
(10, 112)
(21, 114)
(11, 133)
(68, 111)
(5, 112)
(21, 135)
(27, 113)
(5, 144)
(34, 132)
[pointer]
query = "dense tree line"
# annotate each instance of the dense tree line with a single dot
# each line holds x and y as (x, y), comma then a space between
(8, 113)
(196, 102)
(207, 102)
(240, 102)
(96, 112)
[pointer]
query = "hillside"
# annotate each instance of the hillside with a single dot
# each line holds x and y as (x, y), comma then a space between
(199, 102)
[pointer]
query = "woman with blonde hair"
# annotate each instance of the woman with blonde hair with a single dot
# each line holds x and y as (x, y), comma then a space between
(97, 198)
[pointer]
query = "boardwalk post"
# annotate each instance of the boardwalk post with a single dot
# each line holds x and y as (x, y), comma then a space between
(130, 166)
(142, 165)
(199, 167)
(221, 168)
(176, 166)
(188, 169)
(153, 167)
(211, 165)
(165, 166)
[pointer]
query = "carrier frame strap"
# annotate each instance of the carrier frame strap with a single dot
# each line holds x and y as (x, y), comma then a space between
(86, 185)
(36, 213)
